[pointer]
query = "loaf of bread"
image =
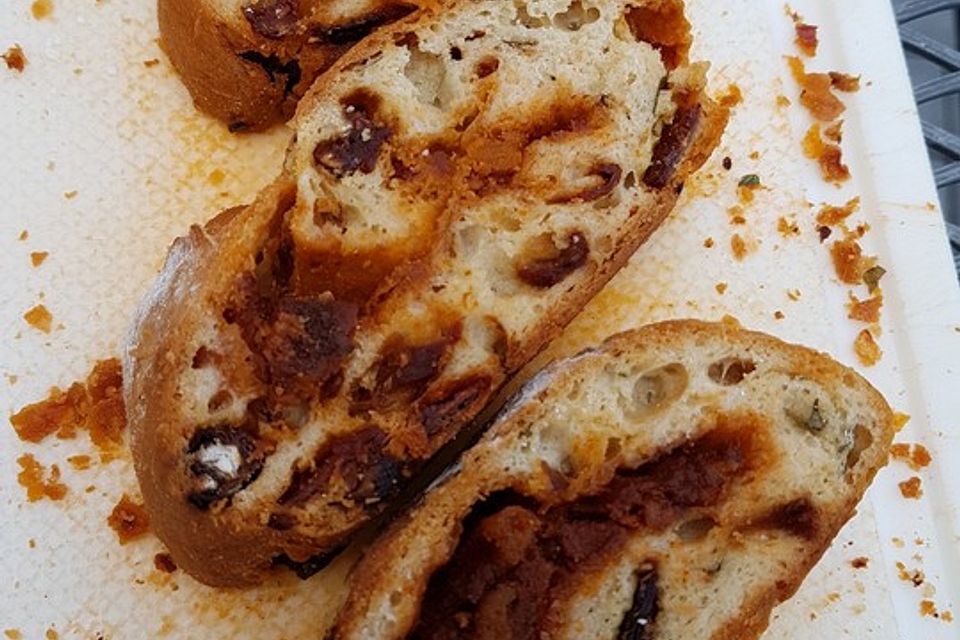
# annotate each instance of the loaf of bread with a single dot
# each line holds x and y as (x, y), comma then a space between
(674, 484)
(460, 185)
(248, 62)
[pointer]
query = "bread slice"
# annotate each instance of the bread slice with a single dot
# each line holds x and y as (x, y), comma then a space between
(677, 482)
(460, 186)
(248, 62)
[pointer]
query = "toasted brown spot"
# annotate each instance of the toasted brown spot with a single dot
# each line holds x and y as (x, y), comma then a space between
(360, 27)
(129, 520)
(671, 146)
(272, 18)
(452, 405)
(351, 467)
(664, 26)
(542, 264)
(797, 517)
(861, 440)
(639, 620)
(486, 66)
(222, 460)
(730, 371)
(360, 148)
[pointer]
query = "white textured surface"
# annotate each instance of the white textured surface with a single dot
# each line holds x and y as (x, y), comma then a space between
(145, 166)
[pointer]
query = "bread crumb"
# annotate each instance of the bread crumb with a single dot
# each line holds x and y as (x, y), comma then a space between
(738, 246)
(867, 349)
(794, 294)
(129, 520)
(15, 58)
(52, 634)
(915, 456)
(721, 287)
(806, 38)
(830, 215)
(13, 634)
(736, 214)
(37, 257)
(946, 616)
(911, 488)
(152, 62)
(96, 403)
(70, 195)
(23, 235)
(164, 562)
(727, 163)
(787, 228)
(32, 543)
(39, 318)
(778, 315)
(865, 310)
(41, 9)
(860, 562)
(38, 483)
(828, 156)
(844, 82)
(834, 132)
(783, 101)
(928, 608)
(900, 420)
(79, 462)
(732, 97)
(708, 243)
(815, 91)
(849, 263)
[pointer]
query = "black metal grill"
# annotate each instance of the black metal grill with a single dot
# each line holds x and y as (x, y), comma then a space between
(941, 128)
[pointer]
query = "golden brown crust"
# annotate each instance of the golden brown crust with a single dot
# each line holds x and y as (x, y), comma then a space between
(425, 538)
(245, 79)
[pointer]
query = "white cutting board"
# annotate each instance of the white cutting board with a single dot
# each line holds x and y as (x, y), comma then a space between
(88, 116)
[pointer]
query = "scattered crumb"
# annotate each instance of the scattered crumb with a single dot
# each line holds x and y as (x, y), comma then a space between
(736, 213)
(946, 616)
(129, 520)
(11, 378)
(897, 542)
(928, 608)
(15, 59)
(70, 195)
(23, 235)
(915, 577)
(787, 228)
(754, 155)
(216, 177)
(747, 186)
(41, 9)
(915, 456)
(828, 156)
(39, 318)
(783, 101)
(865, 310)
(164, 562)
(97, 403)
(794, 294)
(32, 543)
(911, 488)
(830, 215)
(79, 462)
(732, 97)
(31, 477)
(721, 287)
(52, 634)
(738, 246)
(872, 276)
(815, 92)
(708, 243)
(37, 257)
(152, 62)
(860, 562)
(900, 420)
(727, 163)
(13, 634)
(823, 233)
(834, 132)
(844, 82)
(778, 315)
(806, 38)
(849, 262)
(867, 349)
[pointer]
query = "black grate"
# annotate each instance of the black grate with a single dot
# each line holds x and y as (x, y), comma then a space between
(930, 32)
